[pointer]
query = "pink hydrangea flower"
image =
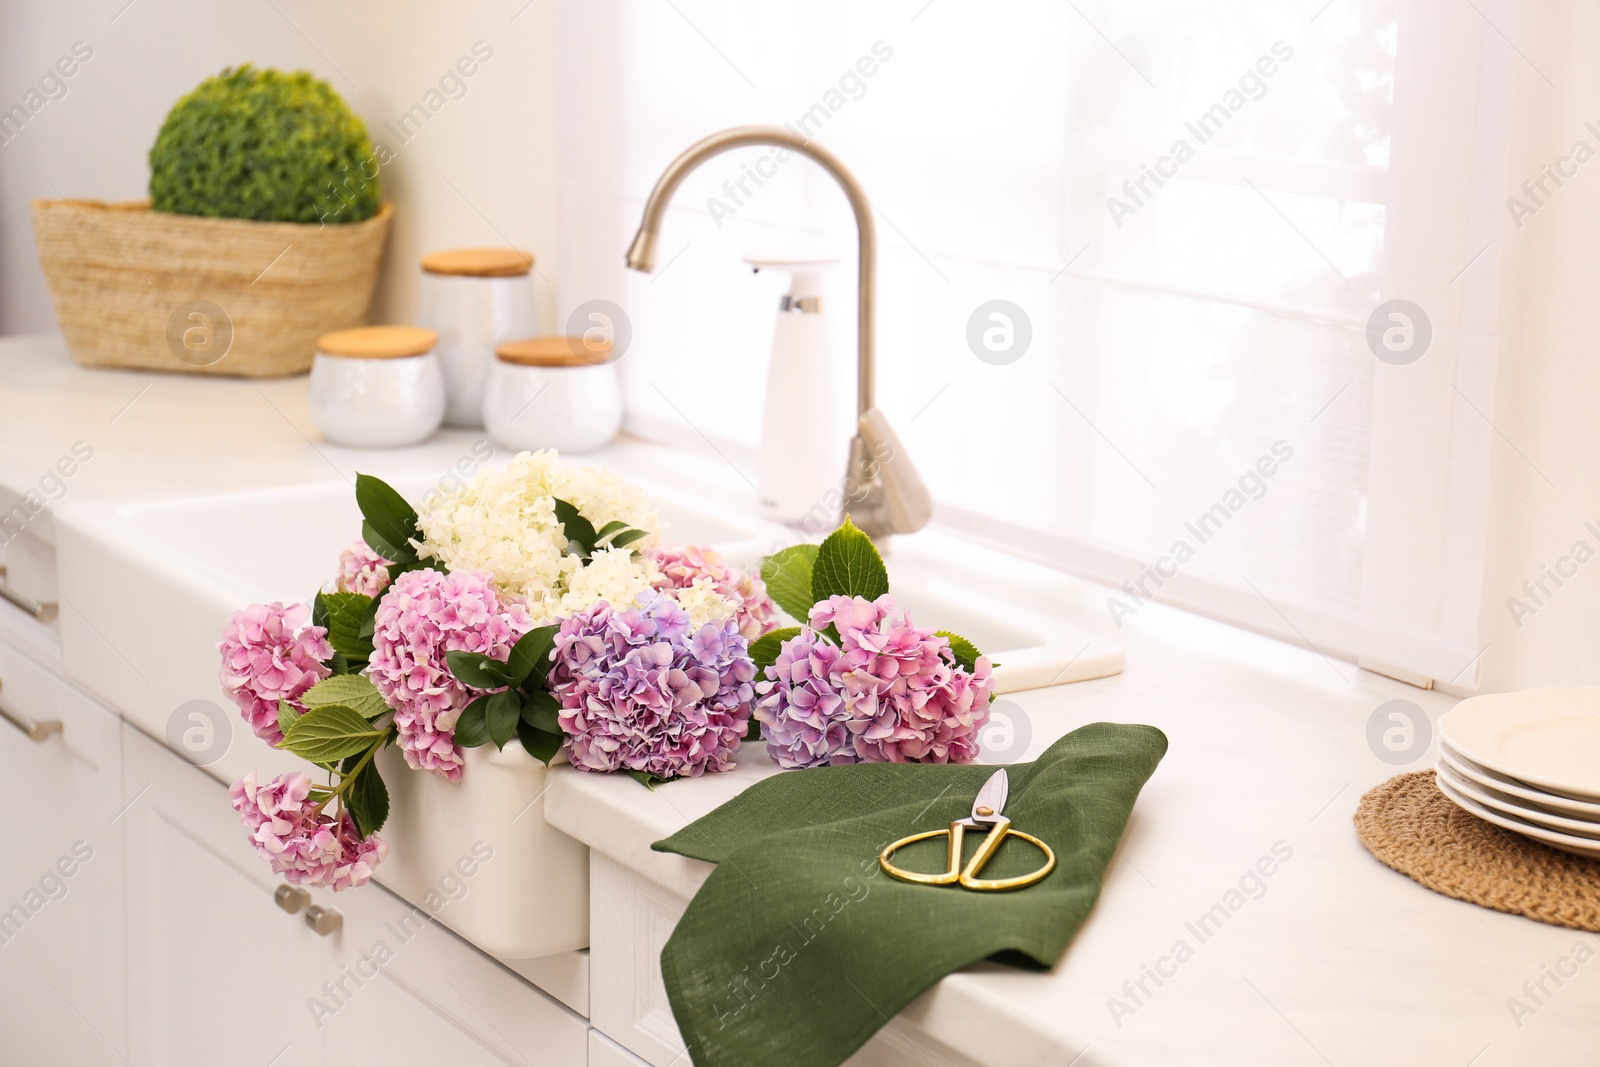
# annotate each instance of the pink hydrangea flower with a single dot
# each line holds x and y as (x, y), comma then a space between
(640, 690)
(424, 615)
(304, 846)
(269, 653)
(890, 692)
(682, 566)
(362, 570)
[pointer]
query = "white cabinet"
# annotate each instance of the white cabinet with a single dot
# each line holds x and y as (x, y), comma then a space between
(604, 1052)
(219, 973)
(61, 921)
(632, 920)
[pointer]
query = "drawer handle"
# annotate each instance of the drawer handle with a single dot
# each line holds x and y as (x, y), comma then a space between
(39, 730)
(290, 898)
(323, 920)
(42, 612)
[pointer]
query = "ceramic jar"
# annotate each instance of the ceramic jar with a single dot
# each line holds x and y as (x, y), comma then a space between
(474, 298)
(377, 386)
(554, 392)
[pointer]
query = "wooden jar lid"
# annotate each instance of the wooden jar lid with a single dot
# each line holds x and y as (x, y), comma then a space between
(555, 352)
(378, 342)
(479, 262)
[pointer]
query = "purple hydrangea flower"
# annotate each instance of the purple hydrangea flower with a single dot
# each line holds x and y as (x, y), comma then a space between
(890, 692)
(640, 691)
(811, 730)
(269, 653)
(424, 615)
(304, 846)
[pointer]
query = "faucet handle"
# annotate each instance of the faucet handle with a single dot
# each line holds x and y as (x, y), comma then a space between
(883, 492)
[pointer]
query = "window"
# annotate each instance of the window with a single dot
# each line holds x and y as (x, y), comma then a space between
(1198, 209)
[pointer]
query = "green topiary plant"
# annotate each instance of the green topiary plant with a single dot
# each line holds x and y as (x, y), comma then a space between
(264, 145)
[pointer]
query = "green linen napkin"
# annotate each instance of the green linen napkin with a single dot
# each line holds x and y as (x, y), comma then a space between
(798, 947)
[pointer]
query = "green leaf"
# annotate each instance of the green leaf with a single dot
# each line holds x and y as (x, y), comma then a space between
(648, 780)
(388, 518)
(354, 691)
(369, 618)
(788, 577)
(368, 801)
(477, 670)
(542, 745)
(319, 612)
(753, 731)
(286, 716)
(502, 713)
(375, 541)
(367, 798)
(345, 613)
(764, 649)
(848, 564)
(330, 733)
(543, 711)
(338, 663)
(579, 530)
(965, 652)
(612, 527)
(623, 540)
(530, 656)
(472, 728)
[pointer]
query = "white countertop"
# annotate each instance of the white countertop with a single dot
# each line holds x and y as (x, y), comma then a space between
(1333, 959)
(151, 433)
(1338, 961)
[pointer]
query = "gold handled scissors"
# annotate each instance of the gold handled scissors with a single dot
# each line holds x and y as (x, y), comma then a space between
(991, 800)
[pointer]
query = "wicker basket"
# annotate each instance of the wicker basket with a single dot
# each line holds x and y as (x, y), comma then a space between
(142, 289)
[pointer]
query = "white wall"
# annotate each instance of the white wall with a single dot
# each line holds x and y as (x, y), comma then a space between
(1546, 482)
(482, 171)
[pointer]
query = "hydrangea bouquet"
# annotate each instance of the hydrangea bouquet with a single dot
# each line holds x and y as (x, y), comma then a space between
(538, 605)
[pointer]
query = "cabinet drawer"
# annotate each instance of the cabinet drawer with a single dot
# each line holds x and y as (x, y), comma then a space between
(28, 579)
(29, 690)
(61, 921)
(212, 955)
(38, 636)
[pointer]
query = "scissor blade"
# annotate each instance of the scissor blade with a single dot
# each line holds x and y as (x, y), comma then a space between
(992, 796)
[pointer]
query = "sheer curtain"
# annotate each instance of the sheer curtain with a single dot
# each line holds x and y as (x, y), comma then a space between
(1197, 208)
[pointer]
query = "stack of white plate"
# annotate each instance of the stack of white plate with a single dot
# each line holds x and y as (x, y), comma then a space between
(1529, 762)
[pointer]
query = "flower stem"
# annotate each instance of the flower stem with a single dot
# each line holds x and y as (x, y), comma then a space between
(336, 792)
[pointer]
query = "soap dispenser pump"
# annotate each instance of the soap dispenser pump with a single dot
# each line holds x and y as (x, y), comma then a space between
(807, 420)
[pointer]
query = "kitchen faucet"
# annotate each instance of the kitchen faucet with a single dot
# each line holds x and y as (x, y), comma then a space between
(883, 493)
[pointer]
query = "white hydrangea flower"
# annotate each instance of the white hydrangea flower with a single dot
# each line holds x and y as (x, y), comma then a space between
(703, 603)
(614, 575)
(503, 524)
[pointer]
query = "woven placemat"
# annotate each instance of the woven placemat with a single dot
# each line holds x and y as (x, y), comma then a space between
(1411, 826)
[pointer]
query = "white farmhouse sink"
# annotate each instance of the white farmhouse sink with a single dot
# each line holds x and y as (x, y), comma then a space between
(283, 544)
(147, 586)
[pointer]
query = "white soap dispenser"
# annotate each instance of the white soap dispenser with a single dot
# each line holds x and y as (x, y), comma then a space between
(808, 419)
